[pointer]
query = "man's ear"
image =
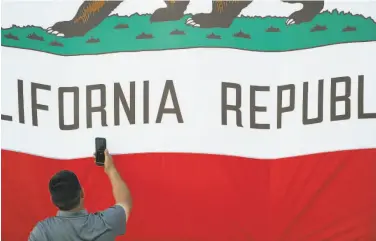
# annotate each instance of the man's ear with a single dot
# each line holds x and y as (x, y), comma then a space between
(82, 195)
(53, 202)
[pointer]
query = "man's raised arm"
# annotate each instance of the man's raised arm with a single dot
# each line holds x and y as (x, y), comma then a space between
(120, 189)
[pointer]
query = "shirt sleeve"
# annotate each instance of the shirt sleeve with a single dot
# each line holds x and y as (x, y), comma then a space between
(115, 218)
(37, 234)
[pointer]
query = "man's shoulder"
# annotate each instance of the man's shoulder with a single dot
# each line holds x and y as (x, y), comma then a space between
(42, 223)
(39, 231)
(114, 209)
(115, 217)
(45, 222)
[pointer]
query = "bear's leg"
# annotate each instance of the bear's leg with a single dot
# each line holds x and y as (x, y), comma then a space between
(89, 15)
(307, 13)
(174, 11)
(222, 15)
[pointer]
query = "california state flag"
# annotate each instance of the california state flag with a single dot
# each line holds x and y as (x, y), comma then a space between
(215, 143)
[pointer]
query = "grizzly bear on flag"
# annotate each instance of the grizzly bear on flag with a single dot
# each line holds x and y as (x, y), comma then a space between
(92, 13)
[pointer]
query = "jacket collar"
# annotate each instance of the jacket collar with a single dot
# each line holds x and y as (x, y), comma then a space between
(61, 213)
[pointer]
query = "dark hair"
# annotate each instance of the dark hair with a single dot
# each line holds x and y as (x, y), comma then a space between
(65, 190)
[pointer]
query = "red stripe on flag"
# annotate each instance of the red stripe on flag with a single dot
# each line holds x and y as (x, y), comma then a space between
(199, 197)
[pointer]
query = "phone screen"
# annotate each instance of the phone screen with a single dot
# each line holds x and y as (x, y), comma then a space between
(100, 144)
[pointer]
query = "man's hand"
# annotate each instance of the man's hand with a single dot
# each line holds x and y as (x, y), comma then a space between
(108, 162)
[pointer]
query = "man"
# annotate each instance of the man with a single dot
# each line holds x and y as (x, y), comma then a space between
(72, 221)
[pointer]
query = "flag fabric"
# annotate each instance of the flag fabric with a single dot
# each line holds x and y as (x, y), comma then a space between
(215, 143)
(205, 197)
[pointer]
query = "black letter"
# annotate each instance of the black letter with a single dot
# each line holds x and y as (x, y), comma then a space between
(21, 104)
(146, 102)
(6, 117)
(361, 114)
(289, 108)
(334, 98)
(90, 109)
(76, 107)
(34, 105)
(320, 104)
(253, 108)
(238, 103)
(169, 88)
(119, 96)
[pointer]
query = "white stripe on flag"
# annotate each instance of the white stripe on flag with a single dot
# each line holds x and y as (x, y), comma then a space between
(197, 76)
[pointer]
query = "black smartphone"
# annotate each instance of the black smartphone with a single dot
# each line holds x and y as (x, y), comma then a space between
(100, 146)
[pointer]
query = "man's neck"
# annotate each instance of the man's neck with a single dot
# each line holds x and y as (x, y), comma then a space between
(77, 209)
(76, 212)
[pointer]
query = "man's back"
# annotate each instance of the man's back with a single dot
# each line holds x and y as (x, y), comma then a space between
(81, 226)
